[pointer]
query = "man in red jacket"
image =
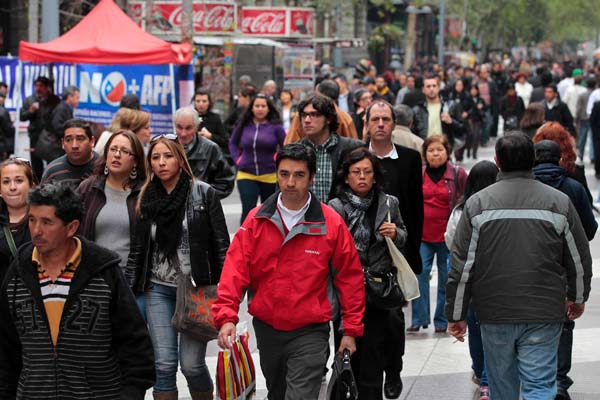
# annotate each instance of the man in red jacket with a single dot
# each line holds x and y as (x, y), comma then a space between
(297, 259)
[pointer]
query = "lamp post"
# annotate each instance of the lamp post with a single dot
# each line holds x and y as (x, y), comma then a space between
(442, 29)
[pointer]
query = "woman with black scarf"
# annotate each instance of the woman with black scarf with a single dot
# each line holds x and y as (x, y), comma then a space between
(181, 234)
(366, 209)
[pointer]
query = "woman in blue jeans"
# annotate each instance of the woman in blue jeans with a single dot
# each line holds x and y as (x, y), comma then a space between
(180, 234)
(482, 175)
(253, 145)
(443, 185)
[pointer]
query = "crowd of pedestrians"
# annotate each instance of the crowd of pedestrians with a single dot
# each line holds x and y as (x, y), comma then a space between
(338, 174)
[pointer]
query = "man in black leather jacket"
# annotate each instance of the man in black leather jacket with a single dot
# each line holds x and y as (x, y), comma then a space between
(205, 157)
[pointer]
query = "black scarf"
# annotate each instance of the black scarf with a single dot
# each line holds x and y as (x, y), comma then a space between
(167, 211)
(436, 173)
(358, 222)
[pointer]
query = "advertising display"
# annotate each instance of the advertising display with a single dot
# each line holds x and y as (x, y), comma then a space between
(277, 21)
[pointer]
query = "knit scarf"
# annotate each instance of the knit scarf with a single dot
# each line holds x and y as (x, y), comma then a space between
(166, 210)
(357, 220)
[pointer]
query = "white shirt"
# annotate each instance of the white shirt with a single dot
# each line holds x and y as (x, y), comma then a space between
(524, 91)
(594, 97)
(564, 85)
(571, 96)
(291, 217)
(393, 154)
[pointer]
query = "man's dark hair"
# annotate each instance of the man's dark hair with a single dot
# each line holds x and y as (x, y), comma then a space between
(204, 92)
(298, 152)
(323, 105)
(341, 77)
(79, 123)
(590, 82)
(43, 80)
(546, 78)
(248, 91)
(130, 101)
(379, 103)
(552, 86)
(329, 88)
(404, 115)
(3, 85)
(419, 82)
(60, 195)
(515, 152)
(69, 91)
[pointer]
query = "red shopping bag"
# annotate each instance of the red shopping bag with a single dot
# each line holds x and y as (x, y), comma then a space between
(236, 377)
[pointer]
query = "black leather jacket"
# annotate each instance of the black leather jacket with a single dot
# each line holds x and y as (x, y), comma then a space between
(210, 165)
(208, 240)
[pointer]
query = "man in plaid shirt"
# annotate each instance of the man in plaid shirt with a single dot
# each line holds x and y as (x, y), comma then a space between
(319, 123)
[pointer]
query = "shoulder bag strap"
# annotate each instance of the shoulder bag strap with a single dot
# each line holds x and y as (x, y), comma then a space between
(10, 240)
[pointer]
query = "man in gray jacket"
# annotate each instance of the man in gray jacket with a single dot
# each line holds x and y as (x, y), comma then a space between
(519, 254)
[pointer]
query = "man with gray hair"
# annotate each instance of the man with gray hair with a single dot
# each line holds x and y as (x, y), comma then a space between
(270, 90)
(64, 110)
(402, 135)
(205, 157)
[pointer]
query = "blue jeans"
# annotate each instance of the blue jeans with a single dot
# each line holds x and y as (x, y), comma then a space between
(585, 130)
(476, 347)
(421, 314)
(521, 356)
(249, 192)
(160, 307)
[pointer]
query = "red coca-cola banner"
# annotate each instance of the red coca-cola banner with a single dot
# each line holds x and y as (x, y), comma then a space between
(282, 21)
(167, 17)
(264, 21)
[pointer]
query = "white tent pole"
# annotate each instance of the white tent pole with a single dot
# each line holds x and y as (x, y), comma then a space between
(173, 104)
(18, 104)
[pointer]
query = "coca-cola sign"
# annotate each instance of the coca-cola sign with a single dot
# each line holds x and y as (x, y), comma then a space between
(302, 22)
(215, 17)
(264, 21)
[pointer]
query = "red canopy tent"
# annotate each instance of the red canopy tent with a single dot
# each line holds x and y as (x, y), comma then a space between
(106, 36)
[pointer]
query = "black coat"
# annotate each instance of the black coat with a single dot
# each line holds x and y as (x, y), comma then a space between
(210, 165)
(61, 114)
(512, 112)
(212, 122)
(561, 114)
(404, 180)
(208, 240)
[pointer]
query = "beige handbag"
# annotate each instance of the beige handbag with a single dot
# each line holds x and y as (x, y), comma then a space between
(406, 277)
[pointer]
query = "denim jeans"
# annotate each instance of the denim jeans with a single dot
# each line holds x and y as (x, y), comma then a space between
(476, 346)
(521, 356)
(160, 307)
(250, 191)
(421, 314)
(585, 130)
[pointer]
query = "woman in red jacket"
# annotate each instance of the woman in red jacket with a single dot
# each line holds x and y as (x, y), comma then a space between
(443, 185)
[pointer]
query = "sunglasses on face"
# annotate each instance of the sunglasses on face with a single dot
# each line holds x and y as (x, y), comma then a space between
(169, 136)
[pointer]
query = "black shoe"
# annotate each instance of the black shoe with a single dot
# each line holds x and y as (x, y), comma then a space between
(392, 389)
(562, 395)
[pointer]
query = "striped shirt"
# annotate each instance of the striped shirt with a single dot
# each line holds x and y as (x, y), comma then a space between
(61, 170)
(54, 293)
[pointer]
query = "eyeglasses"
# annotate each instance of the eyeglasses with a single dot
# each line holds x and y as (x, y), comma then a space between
(310, 114)
(169, 136)
(114, 150)
(359, 172)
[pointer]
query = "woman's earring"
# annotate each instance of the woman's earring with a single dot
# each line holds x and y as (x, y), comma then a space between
(133, 173)
(106, 170)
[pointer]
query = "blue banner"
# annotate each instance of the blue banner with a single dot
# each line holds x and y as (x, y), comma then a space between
(102, 87)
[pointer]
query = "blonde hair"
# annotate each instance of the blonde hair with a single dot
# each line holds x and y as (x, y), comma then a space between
(133, 120)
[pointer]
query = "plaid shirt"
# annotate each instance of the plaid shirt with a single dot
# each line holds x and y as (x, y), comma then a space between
(321, 185)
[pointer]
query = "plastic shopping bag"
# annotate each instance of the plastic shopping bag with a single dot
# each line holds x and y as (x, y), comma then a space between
(236, 376)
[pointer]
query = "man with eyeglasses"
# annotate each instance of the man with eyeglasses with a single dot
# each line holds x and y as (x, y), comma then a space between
(319, 122)
(80, 159)
(205, 156)
(403, 179)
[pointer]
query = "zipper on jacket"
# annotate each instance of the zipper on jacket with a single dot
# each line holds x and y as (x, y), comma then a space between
(254, 149)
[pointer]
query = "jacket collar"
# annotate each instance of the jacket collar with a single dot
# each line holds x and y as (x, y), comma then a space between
(515, 175)
(314, 214)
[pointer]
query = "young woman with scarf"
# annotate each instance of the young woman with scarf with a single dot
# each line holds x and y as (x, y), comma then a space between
(181, 232)
(365, 207)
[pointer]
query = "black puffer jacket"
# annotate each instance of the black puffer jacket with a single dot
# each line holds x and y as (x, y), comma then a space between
(208, 240)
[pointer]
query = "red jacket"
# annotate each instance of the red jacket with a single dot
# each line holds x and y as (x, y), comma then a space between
(289, 277)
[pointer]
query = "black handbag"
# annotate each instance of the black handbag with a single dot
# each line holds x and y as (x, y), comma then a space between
(48, 147)
(342, 385)
(382, 290)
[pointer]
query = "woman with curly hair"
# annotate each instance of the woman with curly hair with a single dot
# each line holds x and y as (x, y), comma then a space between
(557, 133)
